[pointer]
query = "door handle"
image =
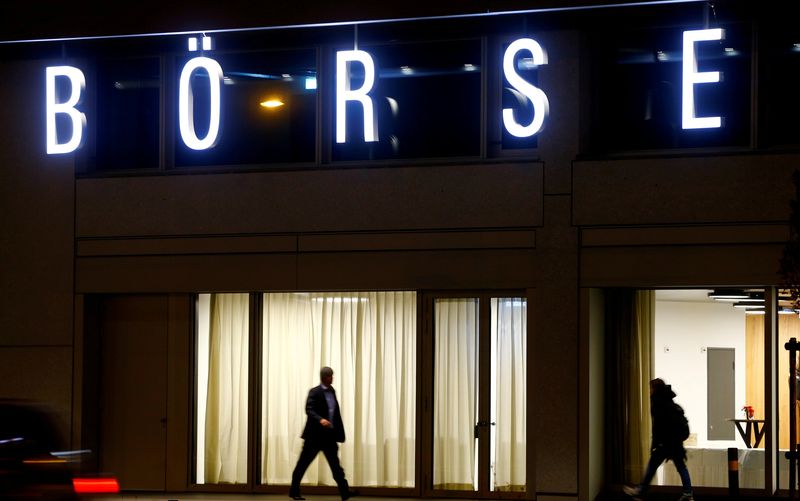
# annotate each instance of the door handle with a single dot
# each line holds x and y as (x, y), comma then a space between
(482, 423)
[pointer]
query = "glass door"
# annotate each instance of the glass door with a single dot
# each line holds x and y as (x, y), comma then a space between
(478, 395)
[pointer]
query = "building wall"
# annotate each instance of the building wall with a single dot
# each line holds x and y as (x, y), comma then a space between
(549, 226)
(36, 250)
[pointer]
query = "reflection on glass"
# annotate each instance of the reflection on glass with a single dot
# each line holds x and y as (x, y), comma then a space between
(222, 388)
(455, 394)
(779, 52)
(128, 108)
(639, 90)
(426, 98)
(253, 132)
(509, 389)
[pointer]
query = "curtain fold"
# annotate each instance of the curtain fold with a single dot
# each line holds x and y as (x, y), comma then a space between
(227, 391)
(630, 317)
(509, 333)
(455, 401)
(369, 339)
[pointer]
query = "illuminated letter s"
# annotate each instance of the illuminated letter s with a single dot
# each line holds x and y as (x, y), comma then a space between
(77, 84)
(344, 93)
(538, 98)
(186, 103)
(691, 77)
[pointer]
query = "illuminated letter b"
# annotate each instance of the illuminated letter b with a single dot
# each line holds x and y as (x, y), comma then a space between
(77, 84)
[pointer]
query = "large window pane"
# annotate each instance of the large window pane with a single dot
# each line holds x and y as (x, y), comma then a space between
(710, 349)
(779, 43)
(128, 114)
(222, 384)
(369, 339)
(427, 99)
(638, 85)
(268, 104)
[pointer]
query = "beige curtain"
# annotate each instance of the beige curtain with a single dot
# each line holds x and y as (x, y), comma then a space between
(455, 373)
(509, 346)
(639, 376)
(226, 409)
(369, 339)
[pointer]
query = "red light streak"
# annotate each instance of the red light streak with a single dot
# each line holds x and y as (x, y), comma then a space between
(95, 485)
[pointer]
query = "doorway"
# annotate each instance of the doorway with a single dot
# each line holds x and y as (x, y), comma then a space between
(133, 334)
(721, 385)
(478, 347)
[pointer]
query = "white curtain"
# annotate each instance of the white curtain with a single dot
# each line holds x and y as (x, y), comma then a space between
(226, 408)
(509, 348)
(455, 401)
(369, 339)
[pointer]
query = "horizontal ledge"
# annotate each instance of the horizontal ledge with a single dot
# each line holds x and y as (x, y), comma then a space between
(146, 246)
(344, 242)
(687, 235)
(333, 242)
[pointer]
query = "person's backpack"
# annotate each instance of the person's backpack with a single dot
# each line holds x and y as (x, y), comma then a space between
(680, 423)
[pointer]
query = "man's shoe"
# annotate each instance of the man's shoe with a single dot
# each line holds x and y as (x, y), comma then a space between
(350, 494)
(686, 497)
(297, 497)
(634, 492)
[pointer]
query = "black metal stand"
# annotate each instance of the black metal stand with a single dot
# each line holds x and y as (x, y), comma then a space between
(733, 473)
(793, 348)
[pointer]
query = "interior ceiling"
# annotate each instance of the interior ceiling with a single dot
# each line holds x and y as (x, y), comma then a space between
(684, 295)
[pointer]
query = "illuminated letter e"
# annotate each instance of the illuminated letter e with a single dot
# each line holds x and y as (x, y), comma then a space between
(691, 77)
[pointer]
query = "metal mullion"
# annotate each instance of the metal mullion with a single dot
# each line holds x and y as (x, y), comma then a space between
(484, 392)
(253, 391)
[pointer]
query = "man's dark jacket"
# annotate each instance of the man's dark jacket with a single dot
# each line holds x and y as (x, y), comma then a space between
(316, 409)
(666, 426)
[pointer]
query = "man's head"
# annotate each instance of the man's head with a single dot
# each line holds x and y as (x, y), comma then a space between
(657, 385)
(326, 376)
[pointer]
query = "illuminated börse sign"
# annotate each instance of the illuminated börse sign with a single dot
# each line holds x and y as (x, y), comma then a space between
(345, 92)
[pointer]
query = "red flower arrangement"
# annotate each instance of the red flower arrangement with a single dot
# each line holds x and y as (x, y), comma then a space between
(748, 411)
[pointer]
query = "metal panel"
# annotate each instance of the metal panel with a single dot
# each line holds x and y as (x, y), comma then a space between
(721, 389)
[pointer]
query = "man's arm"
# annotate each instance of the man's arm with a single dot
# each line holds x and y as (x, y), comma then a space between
(311, 412)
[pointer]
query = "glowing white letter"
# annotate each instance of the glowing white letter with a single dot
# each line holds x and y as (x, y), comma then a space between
(344, 93)
(691, 77)
(77, 84)
(186, 103)
(538, 98)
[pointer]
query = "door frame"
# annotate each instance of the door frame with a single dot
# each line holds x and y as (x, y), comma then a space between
(426, 392)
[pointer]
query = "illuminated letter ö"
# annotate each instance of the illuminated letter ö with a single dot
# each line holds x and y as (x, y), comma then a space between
(186, 103)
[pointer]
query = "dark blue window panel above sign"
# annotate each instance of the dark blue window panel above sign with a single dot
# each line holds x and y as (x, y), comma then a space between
(252, 133)
(638, 90)
(427, 98)
(779, 89)
(128, 118)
